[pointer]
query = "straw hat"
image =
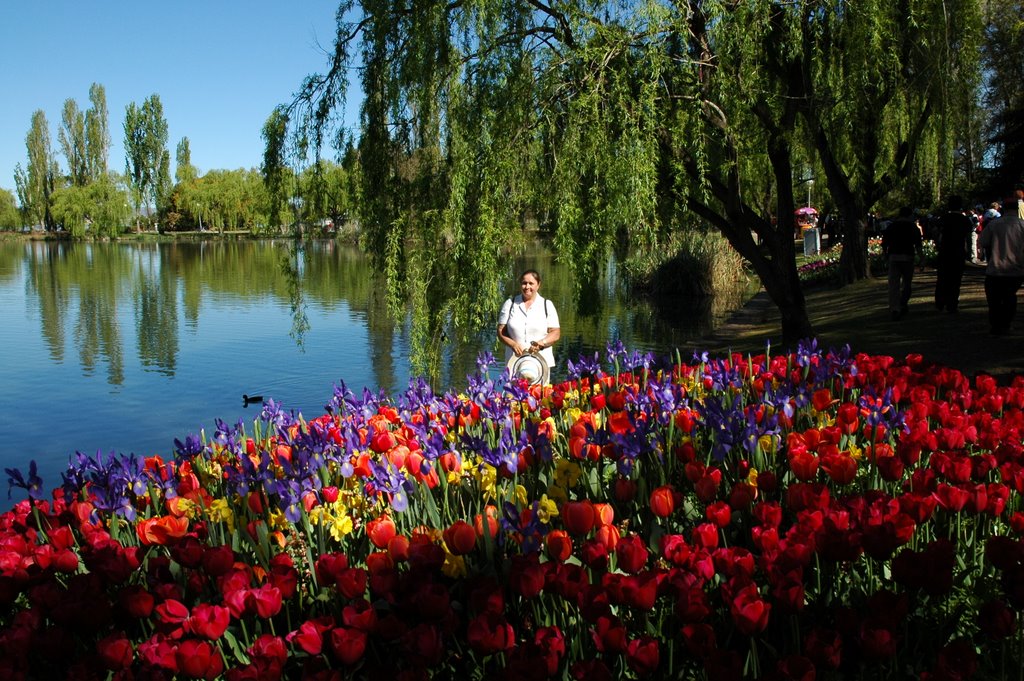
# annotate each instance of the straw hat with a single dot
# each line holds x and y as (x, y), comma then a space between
(531, 367)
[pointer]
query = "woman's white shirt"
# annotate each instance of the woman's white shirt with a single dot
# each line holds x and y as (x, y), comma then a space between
(527, 325)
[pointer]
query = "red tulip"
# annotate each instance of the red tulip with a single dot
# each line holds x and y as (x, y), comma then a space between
(796, 668)
(310, 635)
(719, 513)
(489, 633)
(996, 620)
(352, 582)
(208, 621)
(136, 601)
(269, 656)
(699, 639)
(631, 553)
(824, 648)
(609, 635)
(550, 643)
(559, 545)
(381, 531)
(217, 560)
(526, 577)
(749, 611)
(578, 516)
(821, 399)
(642, 655)
(116, 651)
(267, 600)
(662, 501)
(604, 514)
(460, 538)
(162, 531)
(878, 643)
(492, 522)
(348, 645)
(359, 614)
(624, 490)
(382, 441)
(199, 659)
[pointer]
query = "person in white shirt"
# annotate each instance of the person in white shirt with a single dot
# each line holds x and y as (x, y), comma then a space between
(528, 322)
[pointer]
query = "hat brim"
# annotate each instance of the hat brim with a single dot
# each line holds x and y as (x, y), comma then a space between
(531, 367)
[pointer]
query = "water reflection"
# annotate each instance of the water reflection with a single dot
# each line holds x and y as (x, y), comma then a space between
(99, 291)
(124, 347)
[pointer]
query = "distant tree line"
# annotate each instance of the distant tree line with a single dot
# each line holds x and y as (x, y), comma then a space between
(69, 187)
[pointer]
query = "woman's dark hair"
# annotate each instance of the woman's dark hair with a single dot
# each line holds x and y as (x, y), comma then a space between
(535, 273)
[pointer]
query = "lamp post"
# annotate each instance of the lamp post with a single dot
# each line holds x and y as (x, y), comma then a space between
(810, 185)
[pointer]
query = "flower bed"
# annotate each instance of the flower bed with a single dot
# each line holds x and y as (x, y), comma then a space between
(807, 515)
(825, 269)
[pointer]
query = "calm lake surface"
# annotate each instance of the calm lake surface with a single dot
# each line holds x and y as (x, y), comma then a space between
(122, 348)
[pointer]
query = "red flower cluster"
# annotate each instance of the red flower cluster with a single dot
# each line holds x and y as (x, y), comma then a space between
(779, 519)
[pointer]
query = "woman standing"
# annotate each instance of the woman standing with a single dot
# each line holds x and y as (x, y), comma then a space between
(528, 322)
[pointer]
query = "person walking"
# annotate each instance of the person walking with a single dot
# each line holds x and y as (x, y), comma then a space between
(1003, 243)
(954, 228)
(901, 240)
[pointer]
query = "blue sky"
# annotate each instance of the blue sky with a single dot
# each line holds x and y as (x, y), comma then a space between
(219, 67)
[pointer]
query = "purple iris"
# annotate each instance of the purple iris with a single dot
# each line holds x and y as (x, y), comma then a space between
(33, 484)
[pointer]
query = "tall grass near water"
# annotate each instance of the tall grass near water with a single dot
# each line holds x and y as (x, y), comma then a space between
(696, 270)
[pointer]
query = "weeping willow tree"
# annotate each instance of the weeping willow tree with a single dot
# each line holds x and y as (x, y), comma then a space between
(891, 91)
(617, 122)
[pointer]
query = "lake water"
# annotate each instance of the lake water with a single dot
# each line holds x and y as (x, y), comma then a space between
(118, 347)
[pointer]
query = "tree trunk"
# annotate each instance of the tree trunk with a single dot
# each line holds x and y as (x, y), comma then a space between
(776, 269)
(853, 261)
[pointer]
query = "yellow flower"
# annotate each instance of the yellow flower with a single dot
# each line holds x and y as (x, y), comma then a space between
(220, 512)
(454, 566)
(521, 496)
(187, 508)
(546, 509)
(487, 476)
(551, 422)
(278, 521)
(856, 452)
(567, 473)
(752, 477)
(767, 444)
(340, 526)
(558, 494)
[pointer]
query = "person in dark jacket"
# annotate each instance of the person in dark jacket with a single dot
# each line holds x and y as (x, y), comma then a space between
(1003, 241)
(954, 230)
(901, 240)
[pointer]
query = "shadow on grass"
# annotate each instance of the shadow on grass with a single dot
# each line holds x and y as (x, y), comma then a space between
(858, 315)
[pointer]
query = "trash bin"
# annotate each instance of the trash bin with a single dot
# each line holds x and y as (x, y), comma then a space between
(812, 241)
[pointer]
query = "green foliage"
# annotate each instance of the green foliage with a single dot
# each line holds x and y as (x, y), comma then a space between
(97, 133)
(10, 218)
(1003, 96)
(221, 200)
(100, 207)
(73, 142)
(274, 169)
(619, 124)
(184, 171)
(35, 183)
(145, 143)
